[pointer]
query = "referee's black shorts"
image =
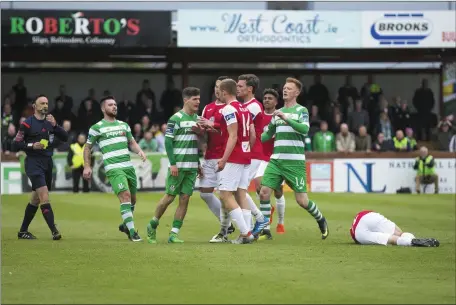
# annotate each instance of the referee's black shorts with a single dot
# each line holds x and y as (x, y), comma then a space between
(39, 171)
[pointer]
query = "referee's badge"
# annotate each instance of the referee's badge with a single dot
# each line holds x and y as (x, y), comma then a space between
(51, 138)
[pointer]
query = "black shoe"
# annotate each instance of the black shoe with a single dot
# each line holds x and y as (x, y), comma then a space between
(425, 242)
(123, 228)
(56, 235)
(265, 235)
(323, 225)
(25, 235)
(231, 229)
(135, 237)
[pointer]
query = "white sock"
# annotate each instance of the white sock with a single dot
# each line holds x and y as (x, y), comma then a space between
(247, 218)
(213, 203)
(408, 235)
(255, 210)
(404, 241)
(237, 216)
(224, 222)
(280, 205)
(175, 230)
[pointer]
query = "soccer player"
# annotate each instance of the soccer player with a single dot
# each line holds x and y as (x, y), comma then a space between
(371, 228)
(114, 137)
(270, 100)
(181, 143)
(211, 120)
(36, 137)
(246, 87)
(289, 125)
(235, 162)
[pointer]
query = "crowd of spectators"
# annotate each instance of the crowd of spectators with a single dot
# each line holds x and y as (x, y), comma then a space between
(354, 120)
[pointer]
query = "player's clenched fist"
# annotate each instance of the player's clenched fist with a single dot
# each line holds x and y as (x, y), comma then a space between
(50, 118)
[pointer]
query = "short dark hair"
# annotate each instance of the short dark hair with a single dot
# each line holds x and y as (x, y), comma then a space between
(251, 80)
(37, 97)
(220, 78)
(294, 81)
(190, 92)
(228, 85)
(271, 92)
(105, 98)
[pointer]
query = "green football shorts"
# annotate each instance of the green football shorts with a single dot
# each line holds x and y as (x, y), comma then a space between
(295, 176)
(123, 179)
(183, 183)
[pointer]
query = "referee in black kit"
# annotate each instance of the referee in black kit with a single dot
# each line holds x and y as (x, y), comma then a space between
(36, 138)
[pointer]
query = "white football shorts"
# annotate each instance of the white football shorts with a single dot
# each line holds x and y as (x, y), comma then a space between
(210, 175)
(234, 176)
(374, 229)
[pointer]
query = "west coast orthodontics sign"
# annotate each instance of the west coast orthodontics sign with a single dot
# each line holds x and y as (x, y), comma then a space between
(85, 28)
(315, 29)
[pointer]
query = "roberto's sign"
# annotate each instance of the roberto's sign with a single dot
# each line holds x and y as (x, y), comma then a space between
(86, 28)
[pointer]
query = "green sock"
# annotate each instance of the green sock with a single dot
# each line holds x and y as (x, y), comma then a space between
(177, 224)
(265, 208)
(127, 216)
(314, 211)
(154, 222)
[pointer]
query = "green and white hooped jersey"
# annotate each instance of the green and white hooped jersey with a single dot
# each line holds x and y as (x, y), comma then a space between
(113, 139)
(289, 144)
(185, 141)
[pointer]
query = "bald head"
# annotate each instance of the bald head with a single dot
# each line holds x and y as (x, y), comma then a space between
(344, 128)
(399, 134)
(41, 105)
(423, 151)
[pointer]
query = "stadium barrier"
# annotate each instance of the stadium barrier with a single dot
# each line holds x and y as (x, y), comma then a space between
(357, 172)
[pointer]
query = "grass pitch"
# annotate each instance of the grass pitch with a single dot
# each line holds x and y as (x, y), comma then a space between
(94, 263)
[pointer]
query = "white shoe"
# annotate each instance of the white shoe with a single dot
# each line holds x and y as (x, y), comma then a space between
(219, 238)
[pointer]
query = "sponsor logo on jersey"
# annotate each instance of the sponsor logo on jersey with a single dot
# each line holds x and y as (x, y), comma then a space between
(230, 116)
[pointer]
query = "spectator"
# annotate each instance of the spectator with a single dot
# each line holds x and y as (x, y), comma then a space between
(137, 132)
(66, 99)
(324, 140)
(126, 111)
(424, 102)
(160, 137)
(382, 144)
(363, 141)
(403, 118)
(401, 143)
(88, 115)
(150, 110)
(395, 109)
(65, 146)
(319, 95)
(7, 118)
(314, 120)
(170, 99)
(358, 118)
(145, 124)
(411, 138)
(335, 123)
(345, 140)
(425, 170)
(148, 143)
(345, 92)
(384, 126)
(452, 147)
(147, 92)
(20, 95)
(28, 110)
(444, 135)
(75, 160)
(60, 114)
(7, 140)
(370, 95)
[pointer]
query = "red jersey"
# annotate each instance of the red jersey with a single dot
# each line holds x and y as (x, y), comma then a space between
(236, 113)
(355, 223)
(268, 146)
(215, 140)
(256, 109)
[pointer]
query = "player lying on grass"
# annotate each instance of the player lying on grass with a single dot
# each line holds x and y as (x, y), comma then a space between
(289, 126)
(181, 143)
(114, 137)
(371, 228)
(270, 100)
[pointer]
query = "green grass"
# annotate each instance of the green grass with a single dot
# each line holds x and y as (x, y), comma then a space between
(95, 263)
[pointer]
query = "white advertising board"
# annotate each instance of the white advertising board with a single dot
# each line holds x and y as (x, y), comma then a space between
(11, 178)
(388, 175)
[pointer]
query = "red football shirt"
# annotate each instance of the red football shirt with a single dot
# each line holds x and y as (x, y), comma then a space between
(232, 113)
(268, 146)
(355, 223)
(256, 109)
(216, 141)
